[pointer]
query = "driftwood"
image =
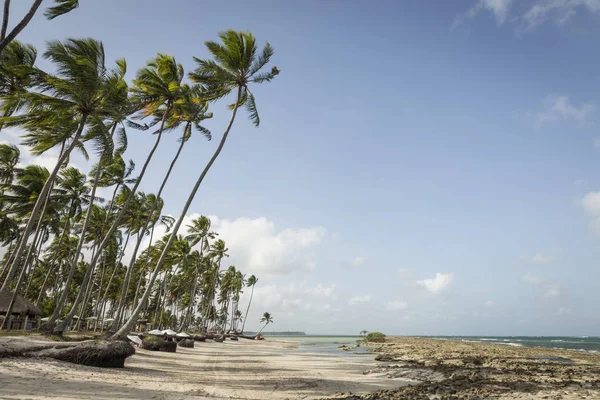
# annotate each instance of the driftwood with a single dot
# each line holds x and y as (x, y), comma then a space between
(102, 353)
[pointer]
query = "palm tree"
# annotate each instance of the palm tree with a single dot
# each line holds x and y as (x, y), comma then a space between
(63, 7)
(9, 158)
(78, 92)
(364, 332)
(189, 108)
(252, 281)
(267, 319)
(16, 64)
(235, 66)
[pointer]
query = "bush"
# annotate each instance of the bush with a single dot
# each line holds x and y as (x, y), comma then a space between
(186, 343)
(376, 337)
(158, 343)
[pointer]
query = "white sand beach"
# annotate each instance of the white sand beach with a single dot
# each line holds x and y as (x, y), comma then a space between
(229, 370)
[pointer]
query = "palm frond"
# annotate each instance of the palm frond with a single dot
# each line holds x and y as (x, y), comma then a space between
(62, 7)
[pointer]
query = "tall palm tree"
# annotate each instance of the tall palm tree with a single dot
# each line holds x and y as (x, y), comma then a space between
(189, 109)
(62, 7)
(252, 281)
(155, 89)
(236, 65)
(78, 92)
(267, 319)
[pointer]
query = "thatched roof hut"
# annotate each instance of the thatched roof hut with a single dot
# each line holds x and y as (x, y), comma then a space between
(20, 307)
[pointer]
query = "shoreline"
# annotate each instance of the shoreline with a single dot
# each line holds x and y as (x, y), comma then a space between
(400, 368)
(479, 370)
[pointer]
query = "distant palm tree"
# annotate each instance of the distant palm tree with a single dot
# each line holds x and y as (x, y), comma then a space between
(252, 281)
(363, 332)
(267, 319)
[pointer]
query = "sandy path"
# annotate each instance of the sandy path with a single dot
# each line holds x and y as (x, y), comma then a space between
(230, 370)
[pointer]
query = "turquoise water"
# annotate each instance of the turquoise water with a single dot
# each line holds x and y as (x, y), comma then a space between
(580, 343)
(330, 344)
(324, 344)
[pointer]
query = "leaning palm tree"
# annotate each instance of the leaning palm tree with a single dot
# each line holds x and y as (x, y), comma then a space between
(189, 109)
(252, 281)
(78, 92)
(267, 319)
(62, 7)
(236, 65)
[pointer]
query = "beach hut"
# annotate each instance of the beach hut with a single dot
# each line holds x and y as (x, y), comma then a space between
(23, 313)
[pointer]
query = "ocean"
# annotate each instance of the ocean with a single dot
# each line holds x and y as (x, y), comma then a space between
(330, 344)
(580, 343)
(324, 344)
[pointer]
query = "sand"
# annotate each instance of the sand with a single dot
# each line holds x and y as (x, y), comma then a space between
(230, 370)
(409, 368)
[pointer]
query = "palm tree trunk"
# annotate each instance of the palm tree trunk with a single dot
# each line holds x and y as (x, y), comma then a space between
(20, 26)
(261, 329)
(45, 192)
(125, 206)
(5, 19)
(133, 318)
(140, 237)
(80, 243)
(248, 309)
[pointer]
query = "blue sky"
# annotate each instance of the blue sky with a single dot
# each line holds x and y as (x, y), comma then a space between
(421, 167)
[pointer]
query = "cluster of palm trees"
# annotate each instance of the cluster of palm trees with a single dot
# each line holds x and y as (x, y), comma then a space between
(77, 255)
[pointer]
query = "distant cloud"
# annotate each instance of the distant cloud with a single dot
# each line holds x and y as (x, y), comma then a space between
(558, 12)
(529, 17)
(591, 204)
(531, 278)
(438, 283)
(499, 8)
(359, 300)
(563, 311)
(545, 258)
(396, 305)
(546, 286)
(356, 262)
(552, 291)
(559, 108)
(405, 273)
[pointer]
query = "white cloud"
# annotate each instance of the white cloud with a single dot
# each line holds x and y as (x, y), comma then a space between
(563, 311)
(558, 108)
(531, 278)
(534, 14)
(545, 258)
(405, 273)
(499, 8)
(357, 262)
(359, 300)
(396, 305)
(438, 283)
(591, 203)
(557, 11)
(320, 290)
(489, 303)
(552, 291)
(258, 247)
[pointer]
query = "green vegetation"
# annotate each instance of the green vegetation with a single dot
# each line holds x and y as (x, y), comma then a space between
(375, 337)
(50, 218)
